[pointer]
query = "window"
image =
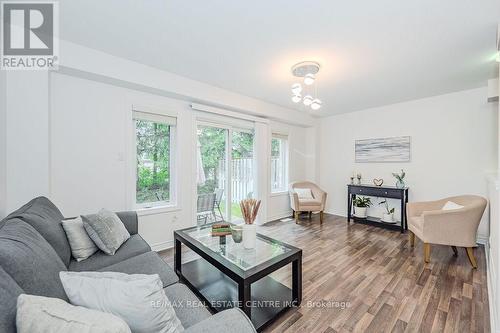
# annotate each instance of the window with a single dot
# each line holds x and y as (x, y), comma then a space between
(279, 163)
(154, 171)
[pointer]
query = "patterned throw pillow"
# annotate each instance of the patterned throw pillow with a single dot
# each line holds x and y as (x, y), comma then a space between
(106, 230)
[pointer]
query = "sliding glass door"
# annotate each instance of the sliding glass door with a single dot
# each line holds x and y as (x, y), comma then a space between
(225, 172)
(242, 184)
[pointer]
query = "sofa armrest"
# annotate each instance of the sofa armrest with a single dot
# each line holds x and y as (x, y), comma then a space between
(129, 219)
(418, 208)
(452, 227)
(294, 200)
(227, 321)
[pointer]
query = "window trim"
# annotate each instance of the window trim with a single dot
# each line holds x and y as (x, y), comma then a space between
(161, 118)
(285, 155)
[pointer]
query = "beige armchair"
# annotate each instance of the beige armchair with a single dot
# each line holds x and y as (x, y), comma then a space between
(316, 203)
(455, 227)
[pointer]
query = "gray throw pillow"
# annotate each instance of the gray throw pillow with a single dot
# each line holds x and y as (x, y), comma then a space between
(82, 246)
(106, 230)
(139, 299)
(44, 314)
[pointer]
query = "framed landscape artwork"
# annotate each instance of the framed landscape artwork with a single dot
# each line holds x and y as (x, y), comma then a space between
(394, 149)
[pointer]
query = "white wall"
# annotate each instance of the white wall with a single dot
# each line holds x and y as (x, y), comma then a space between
(64, 135)
(301, 165)
(453, 147)
(493, 246)
(91, 128)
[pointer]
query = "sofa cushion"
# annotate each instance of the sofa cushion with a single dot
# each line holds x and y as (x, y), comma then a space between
(106, 230)
(46, 314)
(30, 260)
(147, 263)
(134, 246)
(9, 291)
(137, 298)
(188, 308)
(46, 218)
(227, 321)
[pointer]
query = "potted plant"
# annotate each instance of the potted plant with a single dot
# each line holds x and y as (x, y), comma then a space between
(388, 216)
(400, 179)
(361, 204)
(249, 210)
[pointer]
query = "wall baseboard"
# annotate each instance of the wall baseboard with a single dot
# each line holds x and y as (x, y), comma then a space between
(162, 246)
(279, 216)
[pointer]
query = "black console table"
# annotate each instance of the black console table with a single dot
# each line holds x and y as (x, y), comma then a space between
(378, 191)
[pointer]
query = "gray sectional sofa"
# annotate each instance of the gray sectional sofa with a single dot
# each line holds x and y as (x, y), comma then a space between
(34, 249)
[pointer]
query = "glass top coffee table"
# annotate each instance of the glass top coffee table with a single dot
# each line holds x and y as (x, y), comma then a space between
(228, 275)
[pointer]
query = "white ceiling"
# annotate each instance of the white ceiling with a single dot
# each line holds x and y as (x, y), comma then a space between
(372, 52)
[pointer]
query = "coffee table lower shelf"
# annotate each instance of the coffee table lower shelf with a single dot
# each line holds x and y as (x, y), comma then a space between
(269, 297)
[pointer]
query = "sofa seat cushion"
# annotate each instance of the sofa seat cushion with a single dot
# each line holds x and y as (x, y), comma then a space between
(227, 321)
(134, 246)
(188, 308)
(309, 203)
(30, 260)
(46, 218)
(147, 263)
(9, 291)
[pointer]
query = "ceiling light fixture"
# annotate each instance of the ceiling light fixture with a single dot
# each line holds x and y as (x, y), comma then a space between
(308, 100)
(309, 79)
(297, 88)
(316, 104)
(296, 98)
(306, 70)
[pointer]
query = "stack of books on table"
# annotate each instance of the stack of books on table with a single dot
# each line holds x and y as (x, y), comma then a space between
(221, 229)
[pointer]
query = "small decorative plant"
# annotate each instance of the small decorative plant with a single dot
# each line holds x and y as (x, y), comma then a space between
(361, 205)
(389, 212)
(400, 178)
(249, 210)
(387, 209)
(362, 202)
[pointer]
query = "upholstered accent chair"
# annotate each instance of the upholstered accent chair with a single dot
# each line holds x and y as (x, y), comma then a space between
(307, 197)
(454, 227)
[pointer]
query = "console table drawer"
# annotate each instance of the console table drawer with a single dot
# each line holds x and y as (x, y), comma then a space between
(377, 192)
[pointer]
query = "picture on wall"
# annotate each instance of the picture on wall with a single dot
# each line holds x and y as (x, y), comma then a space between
(395, 149)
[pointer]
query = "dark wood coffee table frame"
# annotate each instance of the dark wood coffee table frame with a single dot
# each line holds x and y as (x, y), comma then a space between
(203, 276)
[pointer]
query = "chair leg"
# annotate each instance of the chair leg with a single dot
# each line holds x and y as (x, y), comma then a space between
(411, 237)
(470, 255)
(321, 217)
(296, 217)
(310, 215)
(455, 251)
(427, 252)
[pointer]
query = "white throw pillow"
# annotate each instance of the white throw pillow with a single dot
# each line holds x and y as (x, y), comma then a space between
(449, 205)
(138, 299)
(46, 315)
(81, 245)
(304, 193)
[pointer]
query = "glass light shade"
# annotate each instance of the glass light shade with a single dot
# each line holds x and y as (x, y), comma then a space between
(309, 79)
(296, 98)
(296, 88)
(316, 104)
(308, 100)
(498, 57)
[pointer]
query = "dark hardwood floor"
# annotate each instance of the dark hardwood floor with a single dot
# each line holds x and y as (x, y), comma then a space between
(359, 278)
